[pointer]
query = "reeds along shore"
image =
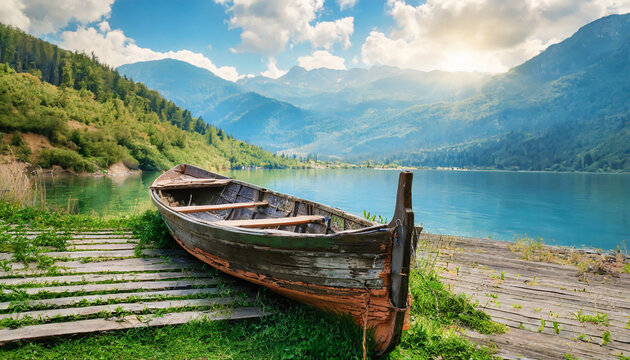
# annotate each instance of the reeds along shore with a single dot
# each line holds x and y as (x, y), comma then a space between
(19, 184)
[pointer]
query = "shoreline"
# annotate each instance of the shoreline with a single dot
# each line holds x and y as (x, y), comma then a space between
(551, 309)
(581, 248)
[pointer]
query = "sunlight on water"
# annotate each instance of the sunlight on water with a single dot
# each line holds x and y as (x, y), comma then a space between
(562, 208)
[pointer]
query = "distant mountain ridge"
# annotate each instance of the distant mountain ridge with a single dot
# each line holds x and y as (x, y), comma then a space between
(446, 119)
(220, 102)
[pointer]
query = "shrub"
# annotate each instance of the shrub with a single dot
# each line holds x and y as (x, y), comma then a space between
(65, 158)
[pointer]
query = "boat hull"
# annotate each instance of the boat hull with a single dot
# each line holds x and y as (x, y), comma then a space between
(343, 274)
(361, 272)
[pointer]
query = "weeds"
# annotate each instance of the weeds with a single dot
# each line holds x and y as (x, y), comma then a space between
(583, 338)
(374, 218)
(542, 325)
(536, 250)
(606, 337)
(19, 187)
(597, 318)
(151, 229)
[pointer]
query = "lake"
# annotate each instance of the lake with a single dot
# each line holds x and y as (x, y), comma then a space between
(562, 208)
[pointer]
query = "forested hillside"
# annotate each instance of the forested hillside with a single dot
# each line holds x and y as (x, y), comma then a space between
(88, 117)
(573, 146)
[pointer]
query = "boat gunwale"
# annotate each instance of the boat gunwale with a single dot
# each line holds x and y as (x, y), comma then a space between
(271, 232)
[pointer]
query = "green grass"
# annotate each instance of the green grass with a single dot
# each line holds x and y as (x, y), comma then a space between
(36, 218)
(292, 331)
(296, 332)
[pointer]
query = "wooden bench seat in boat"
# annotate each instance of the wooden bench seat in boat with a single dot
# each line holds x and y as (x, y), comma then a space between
(262, 223)
(192, 183)
(202, 208)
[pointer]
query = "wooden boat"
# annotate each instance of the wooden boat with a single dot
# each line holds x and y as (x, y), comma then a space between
(309, 252)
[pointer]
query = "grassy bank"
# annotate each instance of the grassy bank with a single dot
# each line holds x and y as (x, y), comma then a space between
(293, 331)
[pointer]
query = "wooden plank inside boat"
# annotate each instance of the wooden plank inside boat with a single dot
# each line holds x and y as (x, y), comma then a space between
(262, 223)
(189, 184)
(202, 208)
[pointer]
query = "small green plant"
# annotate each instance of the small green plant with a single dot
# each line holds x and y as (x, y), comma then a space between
(502, 275)
(621, 356)
(5, 265)
(606, 337)
(556, 327)
(520, 326)
(374, 218)
(626, 268)
(597, 318)
(628, 323)
(569, 356)
(583, 337)
(542, 325)
(537, 309)
(517, 306)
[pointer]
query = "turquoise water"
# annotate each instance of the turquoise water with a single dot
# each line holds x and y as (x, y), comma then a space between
(563, 208)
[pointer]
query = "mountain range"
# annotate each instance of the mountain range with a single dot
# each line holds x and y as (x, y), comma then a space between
(565, 109)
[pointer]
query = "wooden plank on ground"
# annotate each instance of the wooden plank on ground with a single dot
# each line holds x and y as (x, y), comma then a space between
(73, 300)
(65, 279)
(102, 241)
(202, 208)
(83, 236)
(114, 246)
(35, 332)
(114, 253)
(130, 307)
(125, 286)
(105, 253)
(126, 265)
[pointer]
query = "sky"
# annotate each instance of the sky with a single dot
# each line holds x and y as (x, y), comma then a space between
(244, 38)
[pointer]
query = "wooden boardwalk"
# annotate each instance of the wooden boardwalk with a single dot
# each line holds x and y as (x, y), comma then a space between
(520, 293)
(98, 284)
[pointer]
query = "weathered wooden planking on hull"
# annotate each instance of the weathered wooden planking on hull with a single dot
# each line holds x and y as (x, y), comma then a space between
(309, 252)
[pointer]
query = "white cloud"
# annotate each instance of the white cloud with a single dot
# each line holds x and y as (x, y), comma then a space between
(268, 26)
(104, 26)
(47, 16)
(112, 47)
(272, 70)
(12, 13)
(321, 59)
(346, 4)
(478, 35)
(326, 33)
